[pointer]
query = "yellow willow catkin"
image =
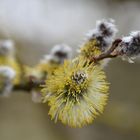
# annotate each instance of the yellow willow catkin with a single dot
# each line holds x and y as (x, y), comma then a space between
(8, 59)
(76, 93)
(90, 49)
(12, 62)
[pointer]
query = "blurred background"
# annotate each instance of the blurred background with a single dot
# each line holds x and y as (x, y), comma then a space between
(37, 25)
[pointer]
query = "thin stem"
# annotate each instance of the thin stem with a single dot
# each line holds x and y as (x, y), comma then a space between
(36, 84)
(28, 86)
(108, 54)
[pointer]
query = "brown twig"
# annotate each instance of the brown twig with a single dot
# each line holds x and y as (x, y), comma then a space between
(108, 54)
(28, 86)
(33, 83)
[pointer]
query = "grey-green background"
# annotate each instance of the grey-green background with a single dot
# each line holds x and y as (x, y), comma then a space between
(37, 25)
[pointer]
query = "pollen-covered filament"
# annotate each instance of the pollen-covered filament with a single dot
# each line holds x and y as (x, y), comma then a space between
(75, 86)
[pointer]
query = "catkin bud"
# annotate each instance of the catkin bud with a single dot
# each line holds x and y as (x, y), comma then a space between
(61, 52)
(130, 46)
(7, 74)
(6, 47)
(104, 33)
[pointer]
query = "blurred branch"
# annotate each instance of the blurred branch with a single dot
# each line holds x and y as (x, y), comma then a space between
(36, 84)
(28, 86)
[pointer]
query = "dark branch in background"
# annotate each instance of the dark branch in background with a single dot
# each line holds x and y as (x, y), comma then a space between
(28, 86)
(36, 84)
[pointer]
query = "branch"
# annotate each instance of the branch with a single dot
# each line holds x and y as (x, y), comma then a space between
(108, 54)
(28, 86)
(34, 83)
